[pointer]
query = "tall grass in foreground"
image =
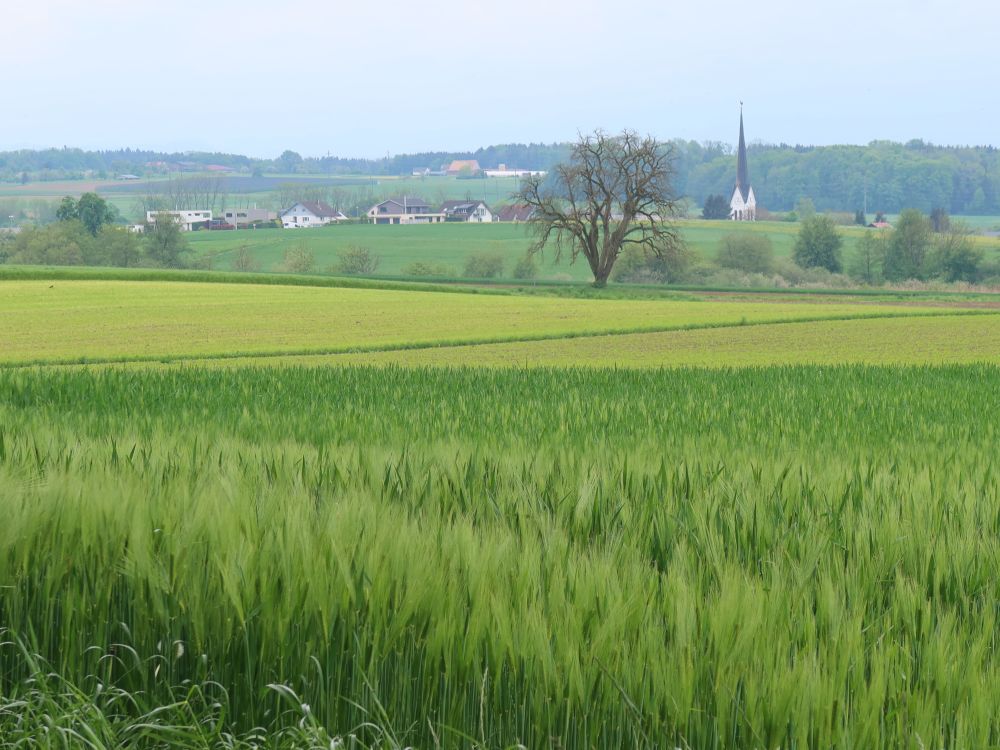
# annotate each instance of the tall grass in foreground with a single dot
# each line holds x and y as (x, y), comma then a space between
(793, 557)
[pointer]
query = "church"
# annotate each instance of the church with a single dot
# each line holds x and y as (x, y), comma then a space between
(743, 205)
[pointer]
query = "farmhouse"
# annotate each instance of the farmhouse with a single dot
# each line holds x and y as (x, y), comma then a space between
(241, 217)
(476, 212)
(405, 210)
(188, 220)
(743, 205)
(306, 214)
(517, 212)
(463, 166)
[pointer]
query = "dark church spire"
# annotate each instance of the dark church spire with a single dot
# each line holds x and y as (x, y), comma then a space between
(742, 173)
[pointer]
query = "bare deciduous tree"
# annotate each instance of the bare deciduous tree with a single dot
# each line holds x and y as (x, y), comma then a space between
(187, 193)
(615, 192)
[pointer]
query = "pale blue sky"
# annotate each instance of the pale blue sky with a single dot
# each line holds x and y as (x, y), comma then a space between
(246, 76)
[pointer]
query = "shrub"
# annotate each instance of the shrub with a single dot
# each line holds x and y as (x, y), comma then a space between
(424, 268)
(638, 266)
(753, 253)
(525, 268)
(298, 259)
(356, 261)
(65, 243)
(483, 266)
(954, 257)
(244, 260)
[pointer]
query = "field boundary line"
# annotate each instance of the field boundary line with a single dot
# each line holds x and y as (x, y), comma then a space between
(484, 341)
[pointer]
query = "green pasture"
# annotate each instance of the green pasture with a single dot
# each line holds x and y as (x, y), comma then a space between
(793, 557)
(450, 244)
(72, 320)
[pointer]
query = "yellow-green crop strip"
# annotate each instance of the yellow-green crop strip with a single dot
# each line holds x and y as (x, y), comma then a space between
(54, 322)
(900, 341)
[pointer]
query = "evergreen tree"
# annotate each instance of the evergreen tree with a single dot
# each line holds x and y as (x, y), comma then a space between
(716, 207)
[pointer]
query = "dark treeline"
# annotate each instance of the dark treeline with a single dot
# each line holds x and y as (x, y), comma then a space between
(73, 163)
(882, 176)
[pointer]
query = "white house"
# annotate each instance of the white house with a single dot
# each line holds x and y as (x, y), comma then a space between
(743, 204)
(240, 217)
(306, 214)
(405, 210)
(474, 212)
(188, 220)
(502, 171)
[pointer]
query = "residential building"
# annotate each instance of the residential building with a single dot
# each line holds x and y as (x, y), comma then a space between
(306, 214)
(502, 171)
(241, 217)
(743, 204)
(475, 212)
(188, 220)
(405, 210)
(516, 212)
(463, 166)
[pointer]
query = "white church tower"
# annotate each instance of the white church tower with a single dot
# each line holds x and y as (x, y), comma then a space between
(743, 206)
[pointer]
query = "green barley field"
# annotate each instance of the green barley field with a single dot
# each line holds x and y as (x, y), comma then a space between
(288, 516)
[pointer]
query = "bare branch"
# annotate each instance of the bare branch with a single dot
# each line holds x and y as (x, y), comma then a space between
(614, 192)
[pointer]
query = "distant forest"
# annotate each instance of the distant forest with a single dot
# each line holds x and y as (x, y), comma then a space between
(882, 176)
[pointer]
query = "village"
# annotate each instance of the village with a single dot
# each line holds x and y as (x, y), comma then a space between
(405, 209)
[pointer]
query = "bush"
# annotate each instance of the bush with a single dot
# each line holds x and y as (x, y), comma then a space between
(842, 218)
(298, 259)
(525, 268)
(638, 266)
(244, 260)
(424, 268)
(66, 243)
(356, 261)
(748, 252)
(483, 266)
(954, 257)
(805, 208)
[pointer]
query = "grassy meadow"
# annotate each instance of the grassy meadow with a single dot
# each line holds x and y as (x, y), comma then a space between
(264, 511)
(450, 244)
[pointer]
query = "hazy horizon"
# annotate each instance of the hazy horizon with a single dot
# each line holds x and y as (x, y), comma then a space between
(241, 78)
